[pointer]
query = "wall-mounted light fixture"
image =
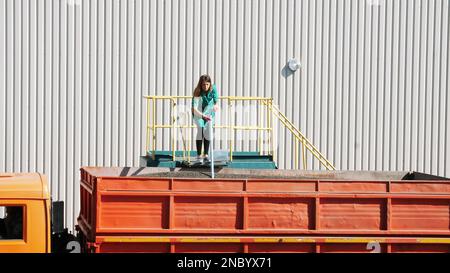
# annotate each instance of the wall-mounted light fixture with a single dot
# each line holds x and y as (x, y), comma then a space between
(293, 64)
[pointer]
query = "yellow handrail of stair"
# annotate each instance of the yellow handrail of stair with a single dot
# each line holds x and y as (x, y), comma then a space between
(300, 137)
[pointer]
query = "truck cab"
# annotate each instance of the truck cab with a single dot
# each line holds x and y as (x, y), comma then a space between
(24, 213)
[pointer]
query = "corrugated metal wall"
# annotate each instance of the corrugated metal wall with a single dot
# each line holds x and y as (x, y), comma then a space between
(372, 92)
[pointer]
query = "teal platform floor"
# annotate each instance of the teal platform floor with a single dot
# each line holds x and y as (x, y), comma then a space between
(241, 160)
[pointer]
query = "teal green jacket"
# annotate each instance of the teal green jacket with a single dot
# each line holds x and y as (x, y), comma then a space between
(208, 100)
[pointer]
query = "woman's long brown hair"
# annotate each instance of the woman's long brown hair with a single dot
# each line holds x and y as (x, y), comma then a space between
(198, 89)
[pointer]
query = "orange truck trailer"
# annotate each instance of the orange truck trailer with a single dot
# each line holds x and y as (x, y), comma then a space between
(248, 211)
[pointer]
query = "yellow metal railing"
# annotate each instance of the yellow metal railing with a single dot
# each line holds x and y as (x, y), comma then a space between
(264, 124)
(299, 137)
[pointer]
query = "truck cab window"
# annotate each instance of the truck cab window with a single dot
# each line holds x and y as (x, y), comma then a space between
(11, 222)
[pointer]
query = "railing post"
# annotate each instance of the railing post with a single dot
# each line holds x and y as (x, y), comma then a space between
(296, 152)
(304, 154)
(147, 137)
(154, 129)
(231, 127)
(267, 132)
(189, 136)
(272, 138)
(173, 131)
(260, 126)
(211, 147)
(183, 133)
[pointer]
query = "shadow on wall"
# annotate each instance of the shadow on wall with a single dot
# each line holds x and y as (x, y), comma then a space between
(286, 71)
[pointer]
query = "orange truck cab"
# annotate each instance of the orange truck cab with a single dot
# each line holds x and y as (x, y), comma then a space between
(25, 219)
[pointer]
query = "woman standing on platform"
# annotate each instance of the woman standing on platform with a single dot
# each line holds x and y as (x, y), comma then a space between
(204, 106)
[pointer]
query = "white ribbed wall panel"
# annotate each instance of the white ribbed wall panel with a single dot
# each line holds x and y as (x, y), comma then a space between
(372, 92)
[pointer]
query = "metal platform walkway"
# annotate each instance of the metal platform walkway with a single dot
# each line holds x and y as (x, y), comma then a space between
(241, 160)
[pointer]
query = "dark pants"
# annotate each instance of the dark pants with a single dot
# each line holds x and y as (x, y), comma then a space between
(199, 144)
